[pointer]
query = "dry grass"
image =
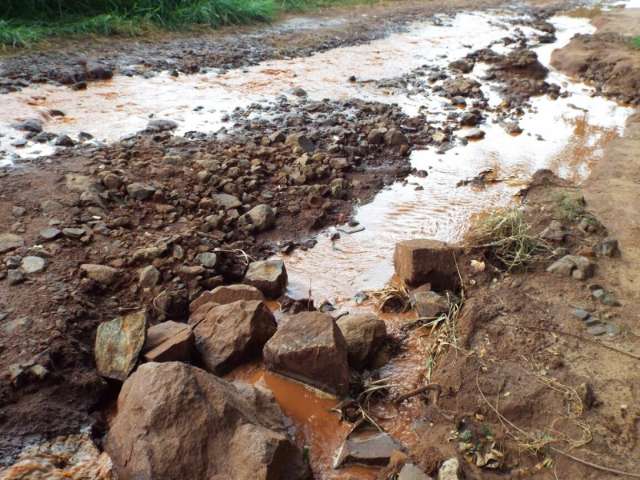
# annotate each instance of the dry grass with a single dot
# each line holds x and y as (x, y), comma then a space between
(507, 234)
(392, 298)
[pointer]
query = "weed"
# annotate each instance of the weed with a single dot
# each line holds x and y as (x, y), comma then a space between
(635, 41)
(508, 236)
(570, 207)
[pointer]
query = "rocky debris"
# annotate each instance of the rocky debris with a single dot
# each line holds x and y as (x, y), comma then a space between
(422, 261)
(226, 201)
(449, 470)
(32, 264)
(169, 342)
(226, 294)
(603, 296)
(148, 277)
(102, 274)
(259, 218)
(161, 125)
(268, 276)
(310, 347)
(177, 421)
(463, 65)
(366, 447)
(364, 334)
(15, 277)
(462, 87)
(428, 304)
(576, 266)
(50, 233)
(10, 241)
(118, 344)
(63, 141)
(230, 334)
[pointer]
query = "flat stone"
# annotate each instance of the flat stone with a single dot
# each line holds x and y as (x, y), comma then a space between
(118, 344)
(366, 448)
(472, 134)
(310, 347)
(169, 342)
(422, 261)
(72, 232)
(102, 274)
(592, 321)
(48, 234)
(410, 472)
(226, 201)
(33, 264)
(9, 241)
(226, 294)
(581, 314)
(268, 276)
(140, 191)
(597, 330)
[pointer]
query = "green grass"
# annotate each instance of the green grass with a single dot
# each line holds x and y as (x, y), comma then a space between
(635, 41)
(26, 22)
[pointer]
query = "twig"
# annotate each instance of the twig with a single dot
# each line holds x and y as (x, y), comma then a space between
(418, 391)
(559, 451)
(573, 335)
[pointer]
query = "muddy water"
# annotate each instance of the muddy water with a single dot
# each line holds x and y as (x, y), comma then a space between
(566, 135)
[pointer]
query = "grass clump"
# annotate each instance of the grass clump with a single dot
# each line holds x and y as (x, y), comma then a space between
(508, 236)
(25, 22)
(570, 208)
(635, 41)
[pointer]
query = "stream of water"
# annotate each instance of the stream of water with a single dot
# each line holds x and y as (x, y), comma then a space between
(566, 135)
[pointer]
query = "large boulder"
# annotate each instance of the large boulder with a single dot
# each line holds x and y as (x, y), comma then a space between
(226, 294)
(268, 276)
(422, 261)
(176, 421)
(118, 344)
(169, 342)
(364, 334)
(229, 334)
(309, 347)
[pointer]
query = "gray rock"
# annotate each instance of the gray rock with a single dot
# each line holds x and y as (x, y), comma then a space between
(300, 141)
(64, 141)
(555, 232)
(18, 211)
(449, 470)
(9, 241)
(608, 248)
(30, 125)
(118, 344)
(268, 276)
(581, 314)
(575, 266)
(366, 448)
(472, 134)
(140, 191)
(260, 218)
(395, 138)
(102, 274)
(226, 201)
(14, 277)
(161, 125)
(148, 277)
(50, 233)
(32, 264)
(597, 330)
(410, 472)
(207, 259)
(72, 232)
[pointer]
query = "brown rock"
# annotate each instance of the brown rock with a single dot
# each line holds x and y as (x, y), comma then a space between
(232, 333)
(364, 334)
(102, 274)
(227, 294)
(310, 347)
(427, 261)
(169, 341)
(176, 421)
